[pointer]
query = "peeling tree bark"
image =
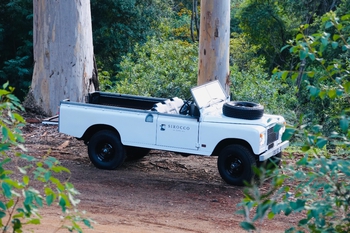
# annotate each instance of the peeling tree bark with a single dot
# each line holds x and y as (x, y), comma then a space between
(214, 42)
(63, 54)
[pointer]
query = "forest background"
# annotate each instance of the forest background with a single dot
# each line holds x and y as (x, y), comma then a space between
(151, 48)
(290, 56)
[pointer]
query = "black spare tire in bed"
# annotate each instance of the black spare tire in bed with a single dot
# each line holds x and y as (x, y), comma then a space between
(243, 110)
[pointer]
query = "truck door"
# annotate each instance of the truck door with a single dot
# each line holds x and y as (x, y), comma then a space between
(177, 131)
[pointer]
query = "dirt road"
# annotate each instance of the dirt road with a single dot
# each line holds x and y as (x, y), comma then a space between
(162, 192)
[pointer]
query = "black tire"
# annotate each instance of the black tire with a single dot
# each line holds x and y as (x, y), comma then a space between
(106, 150)
(243, 110)
(272, 162)
(135, 153)
(235, 164)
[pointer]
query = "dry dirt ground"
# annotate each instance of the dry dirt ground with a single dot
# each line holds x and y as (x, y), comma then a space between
(163, 192)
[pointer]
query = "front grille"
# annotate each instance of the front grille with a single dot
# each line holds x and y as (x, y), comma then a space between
(271, 135)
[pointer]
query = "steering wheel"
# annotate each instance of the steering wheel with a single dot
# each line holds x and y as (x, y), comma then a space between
(185, 109)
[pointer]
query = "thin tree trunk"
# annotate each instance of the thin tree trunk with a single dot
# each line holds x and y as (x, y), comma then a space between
(63, 54)
(214, 42)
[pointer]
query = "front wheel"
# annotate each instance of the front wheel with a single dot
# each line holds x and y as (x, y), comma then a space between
(235, 164)
(106, 150)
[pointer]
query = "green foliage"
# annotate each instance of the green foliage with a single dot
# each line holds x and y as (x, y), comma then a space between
(326, 74)
(318, 184)
(28, 183)
(181, 24)
(243, 54)
(322, 193)
(253, 84)
(260, 21)
(16, 57)
(119, 25)
(159, 68)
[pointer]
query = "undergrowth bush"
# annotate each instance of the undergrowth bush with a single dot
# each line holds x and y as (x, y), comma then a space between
(160, 69)
(318, 184)
(29, 184)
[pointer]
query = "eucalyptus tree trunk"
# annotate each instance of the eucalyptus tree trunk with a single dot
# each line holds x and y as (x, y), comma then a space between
(214, 42)
(64, 64)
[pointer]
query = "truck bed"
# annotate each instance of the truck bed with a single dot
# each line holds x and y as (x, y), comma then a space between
(123, 100)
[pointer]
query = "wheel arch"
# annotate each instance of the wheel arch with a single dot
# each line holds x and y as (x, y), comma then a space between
(229, 141)
(94, 129)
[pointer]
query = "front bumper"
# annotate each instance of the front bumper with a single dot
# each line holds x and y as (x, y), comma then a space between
(274, 151)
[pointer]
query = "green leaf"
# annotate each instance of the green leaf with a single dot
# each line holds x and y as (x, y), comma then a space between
(314, 91)
(288, 211)
(294, 76)
(270, 215)
(321, 142)
(62, 203)
(345, 47)
(284, 47)
(2, 215)
(5, 86)
(47, 176)
(312, 56)
(57, 182)
(336, 37)
(17, 225)
(303, 54)
(22, 170)
(345, 17)
(50, 198)
(4, 146)
(10, 203)
(2, 205)
(329, 24)
(247, 226)
(311, 74)
(284, 75)
(35, 221)
(288, 133)
(339, 92)
(332, 93)
(4, 161)
(344, 125)
(26, 180)
(27, 157)
(324, 42)
(299, 36)
(303, 222)
(18, 117)
(277, 127)
(38, 200)
(59, 169)
(87, 223)
(305, 148)
(298, 205)
(335, 45)
(29, 198)
(346, 86)
(6, 190)
(5, 133)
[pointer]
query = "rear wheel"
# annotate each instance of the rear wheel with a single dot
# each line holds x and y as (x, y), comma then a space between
(106, 150)
(235, 164)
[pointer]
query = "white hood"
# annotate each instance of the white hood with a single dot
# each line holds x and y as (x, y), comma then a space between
(218, 117)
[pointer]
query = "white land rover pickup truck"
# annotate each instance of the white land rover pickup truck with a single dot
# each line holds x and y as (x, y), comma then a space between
(116, 127)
